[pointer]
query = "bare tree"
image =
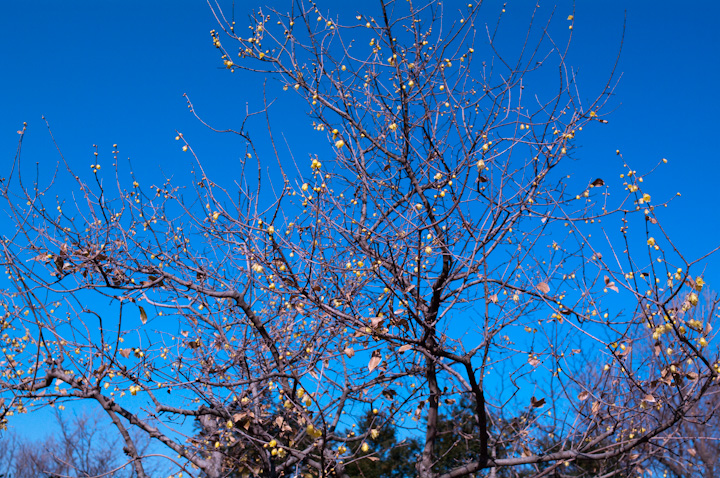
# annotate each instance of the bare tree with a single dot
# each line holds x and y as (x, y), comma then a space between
(82, 446)
(438, 250)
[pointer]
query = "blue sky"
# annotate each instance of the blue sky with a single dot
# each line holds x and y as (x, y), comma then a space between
(115, 72)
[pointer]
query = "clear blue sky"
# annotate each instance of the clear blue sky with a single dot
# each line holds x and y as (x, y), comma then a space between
(114, 71)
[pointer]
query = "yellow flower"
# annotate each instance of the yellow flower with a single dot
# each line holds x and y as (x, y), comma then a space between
(393, 126)
(339, 143)
(651, 241)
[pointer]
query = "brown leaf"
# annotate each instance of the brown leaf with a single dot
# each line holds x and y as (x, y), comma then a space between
(493, 298)
(597, 183)
(533, 361)
(405, 348)
(692, 451)
(374, 360)
(583, 395)
(595, 408)
(537, 403)
(143, 314)
(543, 287)
(349, 352)
(389, 393)
(375, 321)
(649, 398)
(125, 352)
(610, 284)
(59, 263)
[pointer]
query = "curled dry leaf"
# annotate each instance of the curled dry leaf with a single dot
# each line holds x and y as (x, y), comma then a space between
(143, 314)
(374, 360)
(349, 352)
(649, 398)
(405, 348)
(583, 395)
(125, 352)
(493, 298)
(533, 361)
(543, 287)
(537, 403)
(610, 284)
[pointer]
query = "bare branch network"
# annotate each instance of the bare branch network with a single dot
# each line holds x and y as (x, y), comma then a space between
(436, 262)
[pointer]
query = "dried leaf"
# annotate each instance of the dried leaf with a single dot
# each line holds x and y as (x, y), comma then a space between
(597, 183)
(59, 263)
(375, 321)
(374, 360)
(143, 314)
(533, 361)
(125, 352)
(405, 348)
(389, 393)
(537, 403)
(583, 395)
(493, 298)
(543, 287)
(692, 451)
(595, 408)
(610, 284)
(349, 352)
(649, 398)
